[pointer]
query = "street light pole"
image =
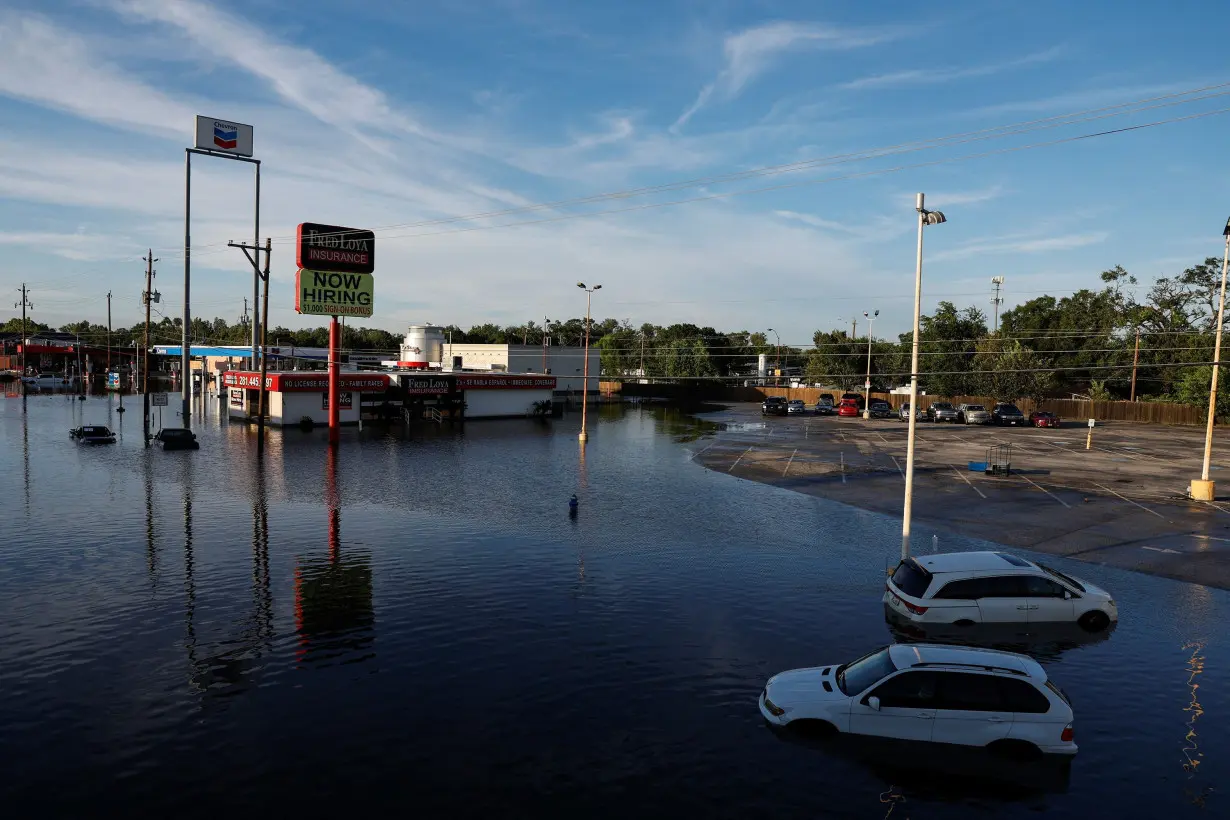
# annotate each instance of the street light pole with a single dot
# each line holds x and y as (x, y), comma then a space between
(871, 320)
(589, 295)
(925, 217)
(779, 356)
(1203, 489)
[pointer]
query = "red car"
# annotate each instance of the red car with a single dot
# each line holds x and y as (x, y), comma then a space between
(1043, 418)
(848, 407)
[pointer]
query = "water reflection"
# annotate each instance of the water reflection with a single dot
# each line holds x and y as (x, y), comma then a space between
(1045, 642)
(683, 426)
(151, 550)
(334, 612)
(25, 452)
(1192, 756)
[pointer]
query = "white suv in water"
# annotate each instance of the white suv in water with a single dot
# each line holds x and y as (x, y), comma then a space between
(943, 694)
(993, 587)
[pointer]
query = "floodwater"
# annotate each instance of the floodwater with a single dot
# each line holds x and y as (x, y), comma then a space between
(417, 624)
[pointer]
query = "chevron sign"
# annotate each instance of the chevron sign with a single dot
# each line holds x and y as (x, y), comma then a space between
(223, 137)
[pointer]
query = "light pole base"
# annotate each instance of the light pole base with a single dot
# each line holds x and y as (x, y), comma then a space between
(583, 436)
(1202, 490)
(867, 414)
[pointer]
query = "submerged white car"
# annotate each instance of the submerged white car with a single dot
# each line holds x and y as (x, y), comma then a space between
(924, 692)
(965, 588)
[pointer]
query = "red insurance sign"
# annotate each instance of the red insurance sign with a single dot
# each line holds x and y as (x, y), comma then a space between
(306, 382)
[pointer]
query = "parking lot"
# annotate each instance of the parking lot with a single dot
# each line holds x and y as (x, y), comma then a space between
(1123, 502)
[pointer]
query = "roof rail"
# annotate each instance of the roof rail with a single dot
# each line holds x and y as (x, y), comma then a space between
(983, 666)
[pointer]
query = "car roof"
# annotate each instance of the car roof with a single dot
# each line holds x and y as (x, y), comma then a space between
(970, 562)
(905, 656)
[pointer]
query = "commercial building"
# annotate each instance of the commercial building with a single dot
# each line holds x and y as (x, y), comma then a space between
(292, 397)
(566, 364)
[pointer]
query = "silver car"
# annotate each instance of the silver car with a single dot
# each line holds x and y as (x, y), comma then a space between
(904, 413)
(973, 414)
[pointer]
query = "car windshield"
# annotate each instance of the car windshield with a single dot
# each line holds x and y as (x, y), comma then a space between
(853, 678)
(974, 407)
(1067, 579)
(1009, 408)
(942, 405)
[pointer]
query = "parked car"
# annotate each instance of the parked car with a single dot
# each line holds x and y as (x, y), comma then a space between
(973, 414)
(1043, 418)
(857, 398)
(993, 587)
(942, 411)
(881, 409)
(827, 397)
(1007, 415)
(93, 434)
(773, 406)
(796, 407)
(849, 407)
(49, 381)
(903, 414)
(177, 438)
(926, 692)
(825, 407)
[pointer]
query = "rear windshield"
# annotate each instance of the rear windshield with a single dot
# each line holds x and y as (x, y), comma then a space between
(911, 579)
(1058, 692)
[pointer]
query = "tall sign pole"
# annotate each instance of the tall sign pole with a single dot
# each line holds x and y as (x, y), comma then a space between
(228, 140)
(334, 279)
(148, 298)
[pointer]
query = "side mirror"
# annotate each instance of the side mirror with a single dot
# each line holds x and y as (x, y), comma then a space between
(874, 702)
(1067, 596)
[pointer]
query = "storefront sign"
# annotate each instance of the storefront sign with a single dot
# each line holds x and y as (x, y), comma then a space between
(223, 137)
(347, 401)
(334, 248)
(425, 385)
(237, 398)
(307, 382)
(484, 382)
(322, 293)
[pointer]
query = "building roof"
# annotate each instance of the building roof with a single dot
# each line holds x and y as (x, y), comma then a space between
(970, 562)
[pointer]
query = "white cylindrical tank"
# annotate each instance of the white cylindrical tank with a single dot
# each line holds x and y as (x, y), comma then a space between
(423, 345)
(762, 366)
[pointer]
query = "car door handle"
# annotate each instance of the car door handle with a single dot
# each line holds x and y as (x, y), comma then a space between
(925, 715)
(995, 720)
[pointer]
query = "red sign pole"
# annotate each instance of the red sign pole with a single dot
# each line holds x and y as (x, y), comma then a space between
(335, 376)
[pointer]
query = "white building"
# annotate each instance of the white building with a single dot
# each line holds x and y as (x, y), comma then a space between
(567, 364)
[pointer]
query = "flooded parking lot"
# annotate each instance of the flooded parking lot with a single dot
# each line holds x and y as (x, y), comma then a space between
(415, 623)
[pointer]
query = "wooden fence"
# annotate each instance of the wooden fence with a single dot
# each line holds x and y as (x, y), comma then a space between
(1141, 411)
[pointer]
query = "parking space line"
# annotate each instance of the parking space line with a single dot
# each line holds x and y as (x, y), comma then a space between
(886, 441)
(965, 478)
(791, 461)
(1162, 549)
(1045, 490)
(894, 458)
(1219, 509)
(702, 452)
(1128, 500)
(737, 460)
(1204, 537)
(843, 466)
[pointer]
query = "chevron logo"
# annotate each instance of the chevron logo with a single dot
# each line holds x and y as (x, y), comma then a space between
(226, 138)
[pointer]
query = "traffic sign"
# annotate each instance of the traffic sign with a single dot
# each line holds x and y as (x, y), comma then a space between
(158, 399)
(867, 384)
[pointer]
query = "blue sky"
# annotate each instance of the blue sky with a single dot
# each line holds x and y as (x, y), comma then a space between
(387, 115)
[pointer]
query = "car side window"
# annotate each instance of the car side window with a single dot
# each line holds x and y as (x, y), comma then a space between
(909, 690)
(1019, 696)
(964, 691)
(1037, 587)
(1007, 586)
(970, 589)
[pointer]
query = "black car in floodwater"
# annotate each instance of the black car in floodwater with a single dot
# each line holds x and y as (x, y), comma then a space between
(773, 406)
(93, 434)
(177, 438)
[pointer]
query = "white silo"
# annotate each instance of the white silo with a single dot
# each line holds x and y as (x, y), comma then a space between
(423, 345)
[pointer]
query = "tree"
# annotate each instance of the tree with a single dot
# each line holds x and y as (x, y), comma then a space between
(1007, 371)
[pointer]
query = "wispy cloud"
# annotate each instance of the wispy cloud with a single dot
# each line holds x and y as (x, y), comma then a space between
(750, 52)
(45, 64)
(938, 76)
(1004, 245)
(942, 199)
(79, 246)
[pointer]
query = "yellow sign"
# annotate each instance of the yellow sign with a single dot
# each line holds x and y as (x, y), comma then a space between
(320, 293)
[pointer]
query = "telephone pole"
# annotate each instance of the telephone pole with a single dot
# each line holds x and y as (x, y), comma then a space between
(23, 304)
(1135, 361)
(997, 282)
(148, 296)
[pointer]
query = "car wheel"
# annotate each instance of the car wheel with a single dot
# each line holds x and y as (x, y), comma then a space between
(1014, 750)
(1094, 621)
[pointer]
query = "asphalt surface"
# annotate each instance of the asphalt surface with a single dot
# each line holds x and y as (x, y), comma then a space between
(1122, 503)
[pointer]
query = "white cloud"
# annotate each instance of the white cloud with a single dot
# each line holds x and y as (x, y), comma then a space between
(750, 52)
(79, 247)
(941, 199)
(937, 76)
(1006, 245)
(43, 63)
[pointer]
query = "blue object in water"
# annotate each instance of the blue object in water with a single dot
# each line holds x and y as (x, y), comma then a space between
(977, 466)
(572, 502)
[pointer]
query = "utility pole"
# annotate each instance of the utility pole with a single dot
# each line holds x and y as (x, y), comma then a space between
(545, 322)
(996, 301)
(853, 329)
(23, 304)
(108, 334)
(243, 320)
(1135, 361)
(259, 343)
(642, 353)
(147, 297)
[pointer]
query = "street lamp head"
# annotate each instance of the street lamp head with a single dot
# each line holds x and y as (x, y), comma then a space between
(877, 313)
(933, 217)
(581, 285)
(597, 287)
(1226, 232)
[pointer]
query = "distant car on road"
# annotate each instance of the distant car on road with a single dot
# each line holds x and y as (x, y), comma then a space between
(849, 407)
(904, 413)
(825, 406)
(881, 409)
(924, 692)
(973, 414)
(1043, 418)
(795, 407)
(93, 434)
(993, 587)
(773, 406)
(1007, 415)
(942, 411)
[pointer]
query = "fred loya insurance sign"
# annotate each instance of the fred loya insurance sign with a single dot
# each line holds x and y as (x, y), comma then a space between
(325, 293)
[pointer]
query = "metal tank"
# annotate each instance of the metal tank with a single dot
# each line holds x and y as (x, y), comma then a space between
(423, 345)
